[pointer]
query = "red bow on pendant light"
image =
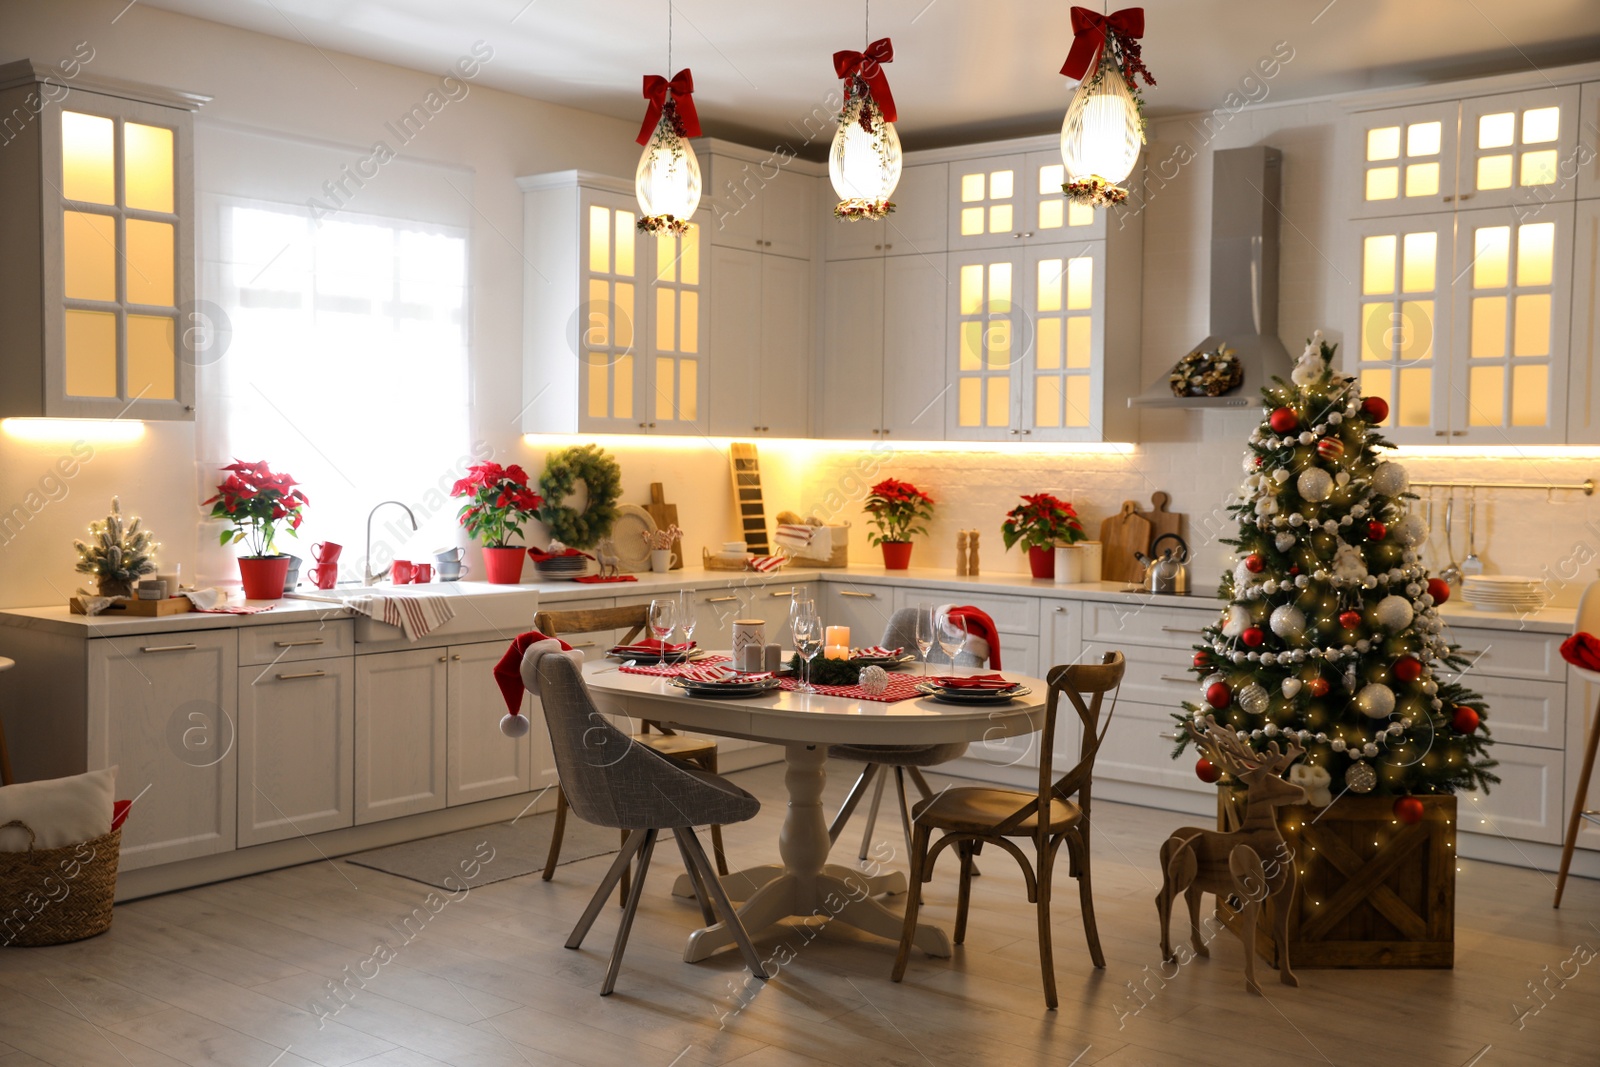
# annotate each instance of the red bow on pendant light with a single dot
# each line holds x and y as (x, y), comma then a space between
(1089, 36)
(655, 91)
(868, 67)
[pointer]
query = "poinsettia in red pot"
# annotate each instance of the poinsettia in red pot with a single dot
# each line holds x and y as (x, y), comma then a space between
(897, 509)
(1041, 522)
(499, 501)
(253, 500)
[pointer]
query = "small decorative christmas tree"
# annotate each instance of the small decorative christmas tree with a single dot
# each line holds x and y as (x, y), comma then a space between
(116, 554)
(1330, 638)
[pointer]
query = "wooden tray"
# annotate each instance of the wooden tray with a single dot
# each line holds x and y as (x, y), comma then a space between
(173, 605)
(712, 563)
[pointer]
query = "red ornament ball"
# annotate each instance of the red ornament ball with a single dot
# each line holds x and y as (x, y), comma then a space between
(1464, 719)
(1408, 810)
(1294, 570)
(1253, 637)
(1407, 669)
(1350, 619)
(1218, 695)
(1317, 687)
(1254, 563)
(1206, 771)
(1202, 659)
(1439, 589)
(1375, 408)
(1284, 420)
(1330, 448)
(1377, 530)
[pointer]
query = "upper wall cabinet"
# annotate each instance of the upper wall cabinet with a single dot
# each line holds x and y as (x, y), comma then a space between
(1587, 160)
(916, 226)
(1000, 201)
(98, 276)
(615, 324)
(1407, 159)
(756, 201)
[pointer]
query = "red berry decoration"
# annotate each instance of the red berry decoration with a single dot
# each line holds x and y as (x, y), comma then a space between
(1464, 719)
(1218, 695)
(1407, 669)
(1408, 810)
(1206, 771)
(1375, 408)
(1317, 687)
(1253, 637)
(1377, 530)
(1284, 420)
(1350, 619)
(1439, 589)
(1254, 563)
(1330, 448)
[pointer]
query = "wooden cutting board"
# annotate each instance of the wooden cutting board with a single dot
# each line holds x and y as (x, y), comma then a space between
(1163, 521)
(665, 515)
(1121, 536)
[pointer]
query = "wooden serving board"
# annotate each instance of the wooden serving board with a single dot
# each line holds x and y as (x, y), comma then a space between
(665, 515)
(1121, 536)
(174, 605)
(1163, 521)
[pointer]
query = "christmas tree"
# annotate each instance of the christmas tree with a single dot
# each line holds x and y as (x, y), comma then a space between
(1331, 637)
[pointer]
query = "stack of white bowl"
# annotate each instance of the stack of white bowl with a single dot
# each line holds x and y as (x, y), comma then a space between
(1503, 592)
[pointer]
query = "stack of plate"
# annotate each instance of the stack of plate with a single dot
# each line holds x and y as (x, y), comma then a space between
(1503, 592)
(561, 568)
(730, 685)
(998, 693)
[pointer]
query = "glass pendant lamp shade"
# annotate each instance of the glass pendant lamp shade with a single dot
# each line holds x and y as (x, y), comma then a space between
(1102, 133)
(864, 162)
(667, 182)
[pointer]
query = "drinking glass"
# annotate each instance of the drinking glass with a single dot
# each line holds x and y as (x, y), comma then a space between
(686, 616)
(951, 631)
(808, 642)
(924, 634)
(662, 618)
(800, 604)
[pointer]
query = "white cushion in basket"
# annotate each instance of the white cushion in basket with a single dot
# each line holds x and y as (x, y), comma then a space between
(61, 811)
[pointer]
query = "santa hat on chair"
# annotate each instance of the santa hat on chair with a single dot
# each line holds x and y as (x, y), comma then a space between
(525, 649)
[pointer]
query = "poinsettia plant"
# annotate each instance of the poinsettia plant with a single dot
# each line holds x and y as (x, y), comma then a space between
(898, 509)
(253, 500)
(1040, 521)
(499, 501)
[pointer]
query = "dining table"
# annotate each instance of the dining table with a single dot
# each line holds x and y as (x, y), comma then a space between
(803, 883)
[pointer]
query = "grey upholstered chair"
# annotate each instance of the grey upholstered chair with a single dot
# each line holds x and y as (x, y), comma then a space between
(901, 632)
(612, 780)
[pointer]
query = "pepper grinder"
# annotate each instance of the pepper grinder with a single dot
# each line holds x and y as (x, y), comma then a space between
(961, 553)
(972, 553)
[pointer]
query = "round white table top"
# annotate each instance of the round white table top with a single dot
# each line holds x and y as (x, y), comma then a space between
(785, 716)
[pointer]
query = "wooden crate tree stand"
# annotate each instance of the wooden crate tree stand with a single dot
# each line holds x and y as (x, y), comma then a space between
(1374, 892)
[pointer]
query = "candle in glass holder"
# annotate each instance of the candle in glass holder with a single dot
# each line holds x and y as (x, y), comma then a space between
(838, 635)
(836, 652)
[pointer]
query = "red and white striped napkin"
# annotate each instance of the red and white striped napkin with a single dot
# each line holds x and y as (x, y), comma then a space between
(717, 674)
(973, 681)
(674, 670)
(768, 563)
(875, 652)
(416, 616)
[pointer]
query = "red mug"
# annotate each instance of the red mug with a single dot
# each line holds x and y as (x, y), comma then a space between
(326, 552)
(401, 572)
(422, 573)
(324, 575)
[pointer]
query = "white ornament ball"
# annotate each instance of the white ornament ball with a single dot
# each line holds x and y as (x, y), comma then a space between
(1237, 622)
(515, 725)
(1390, 479)
(1291, 686)
(1314, 484)
(1410, 530)
(874, 681)
(1288, 621)
(1306, 437)
(1336, 744)
(1393, 613)
(1254, 699)
(1375, 701)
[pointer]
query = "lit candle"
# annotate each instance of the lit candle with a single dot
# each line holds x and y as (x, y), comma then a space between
(838, 635)
(836, 651)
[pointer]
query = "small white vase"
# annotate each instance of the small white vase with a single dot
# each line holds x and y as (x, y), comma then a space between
(660, 560)
(1069, 565)
(1089, 554)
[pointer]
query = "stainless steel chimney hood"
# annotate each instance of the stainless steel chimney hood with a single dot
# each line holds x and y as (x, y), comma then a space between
(1245, 184)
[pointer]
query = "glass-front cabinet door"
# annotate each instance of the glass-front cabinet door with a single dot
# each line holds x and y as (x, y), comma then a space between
(1407, 159)
(679, 386)
(1519, 148)
(988, 202)
(985, 327)
(1062, 383)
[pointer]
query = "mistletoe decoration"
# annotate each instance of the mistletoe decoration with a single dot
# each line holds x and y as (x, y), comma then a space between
(117, 554)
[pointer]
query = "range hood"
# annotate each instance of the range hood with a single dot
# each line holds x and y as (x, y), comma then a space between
(1245, 184)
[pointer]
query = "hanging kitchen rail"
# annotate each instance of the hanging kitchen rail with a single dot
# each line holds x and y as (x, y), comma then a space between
(1586, 487)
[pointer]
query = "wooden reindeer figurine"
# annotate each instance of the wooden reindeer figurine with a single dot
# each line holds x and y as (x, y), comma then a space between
(606, 556)
(1251, 863)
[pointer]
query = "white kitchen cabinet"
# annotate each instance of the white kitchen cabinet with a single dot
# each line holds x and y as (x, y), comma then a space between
(296, 749)
(1001, 200)
(1527, 805)
(164, 710)
(760, 344)
(916, 226)
(1586, 161)
(852, 353)
(97, 285)
(1407, 159)
(615, 322)
(1515, 146)
(866, 609)
(400, 722)
(1581, 700)
(758, 200)
(1583, 377)
(483, 763)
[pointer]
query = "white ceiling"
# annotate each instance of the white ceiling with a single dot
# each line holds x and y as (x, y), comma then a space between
(961, 68)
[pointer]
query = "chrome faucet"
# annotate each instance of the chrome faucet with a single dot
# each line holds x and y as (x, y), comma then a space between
(372, 575)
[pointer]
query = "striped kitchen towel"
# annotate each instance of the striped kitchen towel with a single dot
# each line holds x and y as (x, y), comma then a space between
(416, 616)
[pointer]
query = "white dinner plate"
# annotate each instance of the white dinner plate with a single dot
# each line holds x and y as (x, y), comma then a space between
(627, 533)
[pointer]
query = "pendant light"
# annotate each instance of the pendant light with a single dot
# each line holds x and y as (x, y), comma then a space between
(1104, 125)
(864, 162)
(667, 182)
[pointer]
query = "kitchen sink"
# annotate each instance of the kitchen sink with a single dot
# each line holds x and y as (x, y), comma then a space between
(480, 608)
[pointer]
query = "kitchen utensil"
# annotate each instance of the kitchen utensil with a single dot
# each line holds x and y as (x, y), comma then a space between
(1167, 569)
(665, 516)
(1452, 573)
(628, 534)
(1121, 536)
(324, 575)
(1472, 564)
(326, 552)
(422, 573)
(400, 573)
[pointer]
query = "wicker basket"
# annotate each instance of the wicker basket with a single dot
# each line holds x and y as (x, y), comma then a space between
(50, 896)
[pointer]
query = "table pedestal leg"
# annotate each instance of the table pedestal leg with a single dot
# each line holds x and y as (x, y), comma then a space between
(808, 886)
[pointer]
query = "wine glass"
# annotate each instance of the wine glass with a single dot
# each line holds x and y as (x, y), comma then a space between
(662, 618)
(800, 604)
(924, 634)
(808, 642)
(686, 616)
(951, 631)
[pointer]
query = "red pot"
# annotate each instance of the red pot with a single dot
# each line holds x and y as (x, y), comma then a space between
(896, 555)
(263, 576)
(1042, 561)
(504, 565)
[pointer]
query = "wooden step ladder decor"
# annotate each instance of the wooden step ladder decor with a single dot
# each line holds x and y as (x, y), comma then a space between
(747, 499)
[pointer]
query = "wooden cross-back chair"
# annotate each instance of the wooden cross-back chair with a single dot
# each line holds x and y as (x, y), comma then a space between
(695, 751)
(1056, 814)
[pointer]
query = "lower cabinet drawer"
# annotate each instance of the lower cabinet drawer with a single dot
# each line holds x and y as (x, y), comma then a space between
(1153, 675)
(296, 749)
(1510, 654)
(1145, 623)
(1011, 614)
(1134, 750)
(1527, 805)
(294, 641)
(1522, 712)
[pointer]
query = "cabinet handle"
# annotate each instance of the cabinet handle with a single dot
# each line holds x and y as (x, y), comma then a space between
(456, 657)
(1028, 234)
(297, 644)
(877, 431)
(1061, 611)
(1179, 681)
(1027, 433)
(1181, 630)
(443, 658)
(1448, 199)
(168, 648)
(720, 599)
(888, 246)
(1015, 432)
(306, 674)
(779, 595)
(1441, 433)
(886, 430)
(1464, 196)
(1458, 433)
(863, 596)
(877, 248)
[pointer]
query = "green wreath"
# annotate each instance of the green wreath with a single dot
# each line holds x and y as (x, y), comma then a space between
(603, 478)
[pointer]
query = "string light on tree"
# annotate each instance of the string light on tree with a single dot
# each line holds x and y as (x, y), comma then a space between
(1103, 130)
